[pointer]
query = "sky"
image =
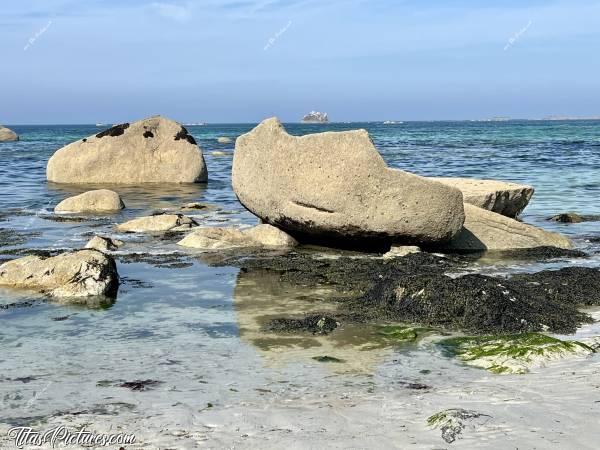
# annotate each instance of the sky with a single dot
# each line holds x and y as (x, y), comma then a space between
(78, 61)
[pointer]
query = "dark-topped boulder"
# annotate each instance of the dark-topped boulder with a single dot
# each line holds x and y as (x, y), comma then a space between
(152, 150)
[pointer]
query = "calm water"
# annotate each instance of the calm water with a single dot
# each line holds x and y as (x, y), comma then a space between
(194, 327)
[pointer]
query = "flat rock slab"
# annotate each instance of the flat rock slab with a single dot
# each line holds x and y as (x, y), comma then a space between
(158, 224)
(335, 186)
(216, 238)
(83, 273)
(153, 150)
(485, 230)
(501, 197)
(97, 201)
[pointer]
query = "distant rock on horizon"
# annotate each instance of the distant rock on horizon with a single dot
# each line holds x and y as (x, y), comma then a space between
(315, 117)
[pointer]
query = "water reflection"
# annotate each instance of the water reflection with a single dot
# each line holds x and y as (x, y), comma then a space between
(260, 296)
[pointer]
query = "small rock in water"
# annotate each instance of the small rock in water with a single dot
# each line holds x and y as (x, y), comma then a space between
(73, 275)
(104, 244)
(328, 359)
(158, 223)
(101, 200)
(199, 206)
(452, 422)
(572, 217)
(315, 324)
(398, 251)
(216, 238)
(140, 385)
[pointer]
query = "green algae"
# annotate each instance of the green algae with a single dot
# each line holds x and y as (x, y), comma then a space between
(402, 333)
(453, 421)
(513, 353)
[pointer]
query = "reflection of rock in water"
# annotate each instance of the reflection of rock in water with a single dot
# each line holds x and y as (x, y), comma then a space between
(261, 295)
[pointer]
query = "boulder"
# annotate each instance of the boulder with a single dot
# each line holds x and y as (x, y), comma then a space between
(501, 197)
(153, 150)
(231, 238)
(76, 274)
(486, 230)
(104, 244)
(101, 200)
(335, 185)
(398, 251)
(7, 135)
(157, 224)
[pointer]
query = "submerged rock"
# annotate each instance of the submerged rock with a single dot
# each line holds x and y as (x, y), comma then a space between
(158, 223)
(501, 197)
(572, 217)
(516, 354)
(7, 135)
(485, 230)
(452, 422)
(101, 200)
(73, 275)
(152, 150)
(216, 238)
(104, 244)
(335, 187)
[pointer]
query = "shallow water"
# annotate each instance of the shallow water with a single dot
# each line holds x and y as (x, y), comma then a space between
(196, 328)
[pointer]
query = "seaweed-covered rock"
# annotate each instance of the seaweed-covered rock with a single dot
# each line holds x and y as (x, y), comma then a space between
(158, 224)
(216, 238)
(336, 188)
(97, 201)
(152, 150)
(7, 135)
(485, 230)
(515, 354)
(72, 275)
(452, 422)
(501, 197)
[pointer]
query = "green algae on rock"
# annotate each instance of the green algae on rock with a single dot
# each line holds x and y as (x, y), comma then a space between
(453, 421)
(512, 354)
(402, 333)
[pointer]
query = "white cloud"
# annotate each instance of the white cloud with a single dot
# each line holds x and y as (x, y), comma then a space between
(172, 11)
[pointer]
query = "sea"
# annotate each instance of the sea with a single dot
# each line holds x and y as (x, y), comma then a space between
(193, 327)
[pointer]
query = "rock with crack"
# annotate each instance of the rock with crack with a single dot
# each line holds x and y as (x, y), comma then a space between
(97, 201)
(72, 276)
(335, 186)
(152, 150)
(485, 230)
(231, 238)
(104, 244)
(7, 135)
(508, 199)
(159, 223)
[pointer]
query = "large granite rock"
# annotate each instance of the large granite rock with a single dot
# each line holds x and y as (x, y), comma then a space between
(217, 238)
(336, 185)
(153, 150)
(101, 200)
(501, 197)
(7, 135)
(486, 230)
(77, 274)
(158, 224)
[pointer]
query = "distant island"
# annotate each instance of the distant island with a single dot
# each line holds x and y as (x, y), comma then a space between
(315, 117)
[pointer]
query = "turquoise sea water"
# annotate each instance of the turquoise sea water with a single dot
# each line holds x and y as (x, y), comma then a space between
(194, 327)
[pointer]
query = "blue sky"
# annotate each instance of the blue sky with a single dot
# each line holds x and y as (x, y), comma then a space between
(244, 60)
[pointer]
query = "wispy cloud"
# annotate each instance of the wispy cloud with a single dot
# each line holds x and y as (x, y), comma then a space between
(172, 11)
